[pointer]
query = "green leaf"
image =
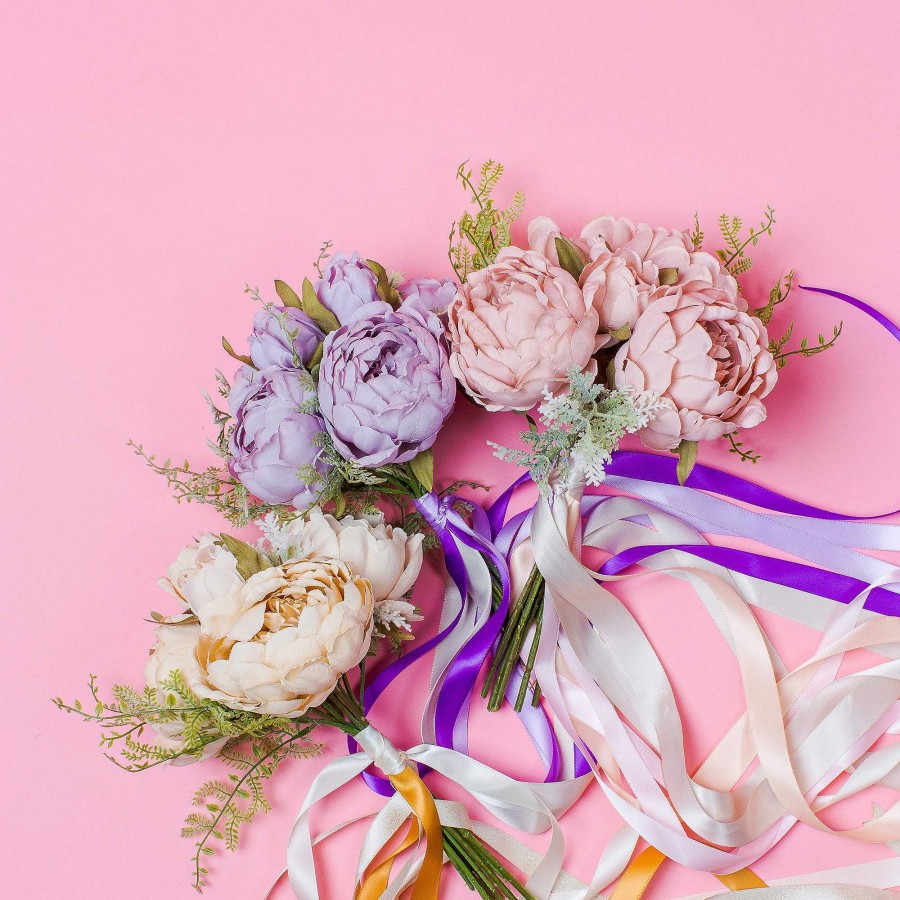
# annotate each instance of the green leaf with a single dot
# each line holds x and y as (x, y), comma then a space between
(611, 373)
(383, 284)
(249, 560)
(571, 257)
(687, 457)
(287, 294)
(235, 355)
(340, 505)
(668, 275)
(316, 358)
(323, 317)
(423, 468)
(622, 334)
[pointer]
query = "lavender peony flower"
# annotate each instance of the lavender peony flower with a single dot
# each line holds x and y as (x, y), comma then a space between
(348, 284)
(431, 293)
(271, 343)
(275, 453)
(385, 385)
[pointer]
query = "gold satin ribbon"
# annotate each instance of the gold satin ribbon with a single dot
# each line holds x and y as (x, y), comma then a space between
(413, 790)
(637, 877)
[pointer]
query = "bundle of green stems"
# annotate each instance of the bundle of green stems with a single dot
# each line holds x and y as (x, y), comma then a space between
(478, 867)
(524, 618)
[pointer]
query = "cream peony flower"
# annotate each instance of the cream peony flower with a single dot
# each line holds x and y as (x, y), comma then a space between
(386, 556)
(278, 642)
(214, 593)
(175, 649)
(188, 563)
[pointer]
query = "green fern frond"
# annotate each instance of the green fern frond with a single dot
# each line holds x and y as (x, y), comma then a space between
(475, 240)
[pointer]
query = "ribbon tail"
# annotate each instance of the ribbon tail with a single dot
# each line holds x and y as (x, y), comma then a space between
(411, 787)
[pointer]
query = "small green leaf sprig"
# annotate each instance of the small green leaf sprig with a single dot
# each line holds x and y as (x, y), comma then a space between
(250, 744)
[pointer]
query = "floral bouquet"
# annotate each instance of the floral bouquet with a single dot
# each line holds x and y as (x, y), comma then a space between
(326, 444)
(338, 402)
(626, 328)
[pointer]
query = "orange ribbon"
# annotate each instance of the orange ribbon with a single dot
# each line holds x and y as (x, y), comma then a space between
(411, 787)
(637, 877)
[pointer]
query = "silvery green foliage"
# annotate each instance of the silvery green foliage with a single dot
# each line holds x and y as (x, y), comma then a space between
(581, 430)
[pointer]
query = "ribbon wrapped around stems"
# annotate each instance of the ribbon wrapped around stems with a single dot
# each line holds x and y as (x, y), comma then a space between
(528, 807)
(603, 681)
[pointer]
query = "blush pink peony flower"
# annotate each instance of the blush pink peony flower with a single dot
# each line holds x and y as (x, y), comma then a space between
(705, 356)
(625, 264)
(611, 287)
(646, 250)
(517, 327)
(542, 235)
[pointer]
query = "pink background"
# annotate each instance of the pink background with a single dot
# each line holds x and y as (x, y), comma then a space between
(158, 156)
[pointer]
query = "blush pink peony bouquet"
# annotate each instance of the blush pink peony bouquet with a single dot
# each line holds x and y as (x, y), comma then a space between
(625, 328)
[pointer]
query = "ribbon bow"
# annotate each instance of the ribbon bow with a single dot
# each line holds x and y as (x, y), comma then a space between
(526, 806)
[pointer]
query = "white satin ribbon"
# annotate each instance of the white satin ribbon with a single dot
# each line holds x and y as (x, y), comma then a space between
(528, 807)
(603, 680)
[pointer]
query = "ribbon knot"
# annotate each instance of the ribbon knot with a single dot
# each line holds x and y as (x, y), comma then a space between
(381, 751)
(568, 481)
(434, 510)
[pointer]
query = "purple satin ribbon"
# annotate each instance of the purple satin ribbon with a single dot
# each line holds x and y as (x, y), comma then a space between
(663, 470)
(870, 311)
(830, 585)
(460, 678)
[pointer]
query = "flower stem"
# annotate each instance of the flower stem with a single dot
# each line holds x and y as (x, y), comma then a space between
(529, 664)
(479, 868)
(525, 614)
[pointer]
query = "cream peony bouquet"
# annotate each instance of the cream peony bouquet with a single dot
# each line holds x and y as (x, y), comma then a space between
(258, 653)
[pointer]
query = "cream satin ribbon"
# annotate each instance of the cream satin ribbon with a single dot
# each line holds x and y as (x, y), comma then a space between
(605, 683)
